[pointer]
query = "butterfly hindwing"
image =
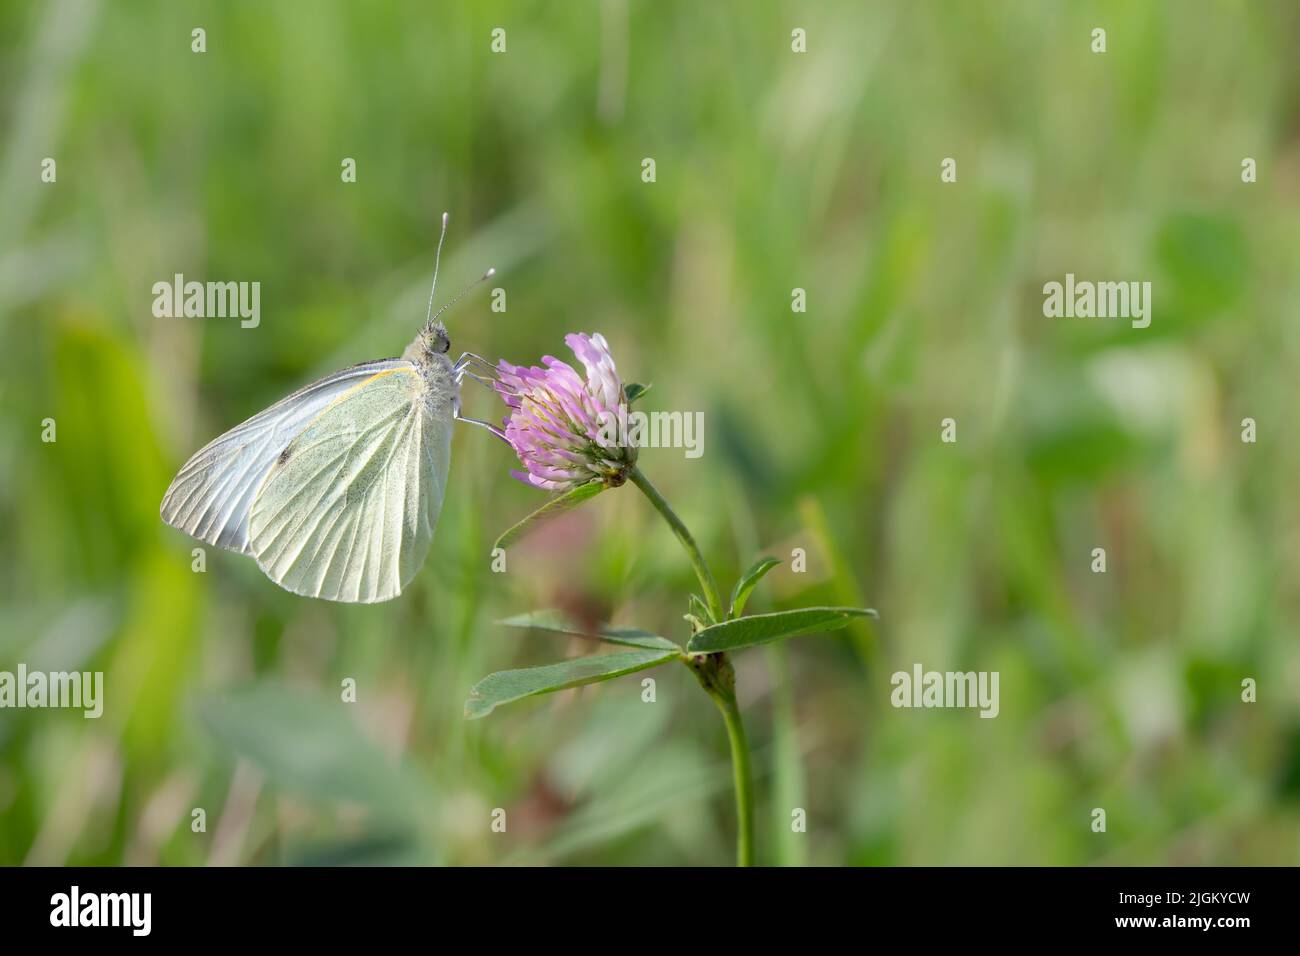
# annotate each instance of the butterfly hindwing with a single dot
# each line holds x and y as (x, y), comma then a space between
(347, 511)
(211, 495)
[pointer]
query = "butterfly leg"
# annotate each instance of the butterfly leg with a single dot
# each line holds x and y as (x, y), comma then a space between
(488, 383)
(461, 369)
(455, 414)
(469, 358)
(485, 373)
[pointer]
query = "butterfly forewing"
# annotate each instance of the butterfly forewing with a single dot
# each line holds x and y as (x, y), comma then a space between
(211, 496)
(347, 511)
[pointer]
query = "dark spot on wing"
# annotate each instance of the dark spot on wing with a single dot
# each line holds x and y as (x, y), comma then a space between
(284, 455)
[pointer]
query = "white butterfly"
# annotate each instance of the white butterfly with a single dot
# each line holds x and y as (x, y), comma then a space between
(335, 490)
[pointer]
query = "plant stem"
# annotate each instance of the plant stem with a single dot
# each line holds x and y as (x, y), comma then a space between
(707, 584)
(742, 777)
(716, 676)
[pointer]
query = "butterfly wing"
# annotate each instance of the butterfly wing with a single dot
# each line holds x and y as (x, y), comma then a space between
(211, 495)
(348, 510)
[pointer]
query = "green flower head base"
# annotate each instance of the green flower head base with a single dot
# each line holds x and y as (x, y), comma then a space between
(560, 425)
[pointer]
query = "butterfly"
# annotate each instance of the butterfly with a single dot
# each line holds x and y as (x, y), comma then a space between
(335, 490)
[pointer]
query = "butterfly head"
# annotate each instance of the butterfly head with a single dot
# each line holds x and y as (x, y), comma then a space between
(438, 340)
(429, 345)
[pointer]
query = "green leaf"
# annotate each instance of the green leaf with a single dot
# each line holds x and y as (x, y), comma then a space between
(506, 686)
(740, 593)
(634, 390)
(557, 623)
(699, 609)
(552, 509)
(762, 628)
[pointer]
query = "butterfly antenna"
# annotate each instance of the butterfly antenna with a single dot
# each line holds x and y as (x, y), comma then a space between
(437, 261)
(461, 294)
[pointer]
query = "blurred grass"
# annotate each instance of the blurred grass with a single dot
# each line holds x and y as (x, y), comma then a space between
(774, 171)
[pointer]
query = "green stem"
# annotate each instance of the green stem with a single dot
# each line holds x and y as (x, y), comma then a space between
(743, 779)
(716, 676)
(709, 586)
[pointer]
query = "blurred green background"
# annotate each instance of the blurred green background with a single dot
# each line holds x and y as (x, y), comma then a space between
(774, 171)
